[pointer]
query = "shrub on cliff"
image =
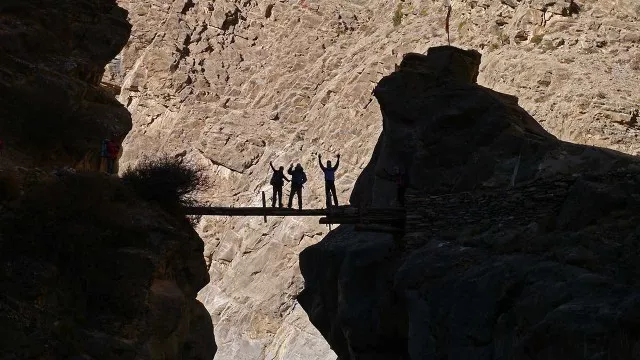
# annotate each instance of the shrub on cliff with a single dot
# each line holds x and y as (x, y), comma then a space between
(170, 182)
(397, 16)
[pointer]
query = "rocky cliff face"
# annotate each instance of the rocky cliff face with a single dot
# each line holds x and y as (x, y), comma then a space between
(89, 269)
(517, 245)
(53, 111)
(103, 276)
(234, 84)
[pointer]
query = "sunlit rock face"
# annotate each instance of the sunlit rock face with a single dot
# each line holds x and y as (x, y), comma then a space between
(53, 110)
(233, 85)
(518, 245)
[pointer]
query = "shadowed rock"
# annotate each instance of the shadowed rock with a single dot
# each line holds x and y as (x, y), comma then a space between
(451, 134)
(524, 247)
(88, 269)
(53, 111)
(103, 276)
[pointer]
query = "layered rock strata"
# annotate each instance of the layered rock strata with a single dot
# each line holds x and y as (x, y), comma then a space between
(517, 245)
(53, 110)
(234, 84)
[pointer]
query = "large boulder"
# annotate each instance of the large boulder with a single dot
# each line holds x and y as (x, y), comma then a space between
(451, 134)
(517, 245)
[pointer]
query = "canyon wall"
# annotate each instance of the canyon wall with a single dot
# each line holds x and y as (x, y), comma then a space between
(517, 245)
(232, 85)
(101, 274)
(53, 111)
(89, 268)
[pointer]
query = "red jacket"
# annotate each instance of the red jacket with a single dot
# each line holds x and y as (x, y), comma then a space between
(113, 149)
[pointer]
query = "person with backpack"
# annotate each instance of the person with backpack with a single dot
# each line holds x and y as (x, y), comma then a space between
(277, 182)
(401, 180)
(113, 149)
(298, 179)
(329, 180)
(104, 154)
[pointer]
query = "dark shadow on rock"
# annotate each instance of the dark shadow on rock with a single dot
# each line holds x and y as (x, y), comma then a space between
(339, 302)
(53, 111)
(525, 246)
(90, 269)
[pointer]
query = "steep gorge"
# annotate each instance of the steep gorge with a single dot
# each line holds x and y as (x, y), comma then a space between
(234, 84)
(517, 245)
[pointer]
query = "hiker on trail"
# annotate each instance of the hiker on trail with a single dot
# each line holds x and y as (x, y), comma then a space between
(298, 178)
(277, 181)
(104, 153)
(112, 151)
(329, 180)
(401, 180)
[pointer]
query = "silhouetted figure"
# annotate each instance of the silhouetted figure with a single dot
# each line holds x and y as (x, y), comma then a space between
(298, 178)
(401, 180)
(104, 153)
(112, 150)
(277, 182)
(329, 180)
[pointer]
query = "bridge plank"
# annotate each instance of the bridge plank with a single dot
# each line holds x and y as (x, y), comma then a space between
(252, 211)
(345, 211)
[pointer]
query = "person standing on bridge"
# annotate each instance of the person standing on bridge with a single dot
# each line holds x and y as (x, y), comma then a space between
(298, 178)
(277, 181)
(329, 180)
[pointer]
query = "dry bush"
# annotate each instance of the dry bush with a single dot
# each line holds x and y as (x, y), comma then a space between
(635, 61)
(171, 182)
(397, 16)
(537, 39)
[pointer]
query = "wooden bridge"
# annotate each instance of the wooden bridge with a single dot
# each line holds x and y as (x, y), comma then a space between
(387, 220)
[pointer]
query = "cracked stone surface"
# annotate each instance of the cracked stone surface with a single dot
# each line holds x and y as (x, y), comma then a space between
(234, 84)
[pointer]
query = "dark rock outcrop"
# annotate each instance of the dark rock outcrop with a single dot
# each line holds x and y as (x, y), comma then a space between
(53, 111)
(453, 135)
(518, 245)
(90, 271)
